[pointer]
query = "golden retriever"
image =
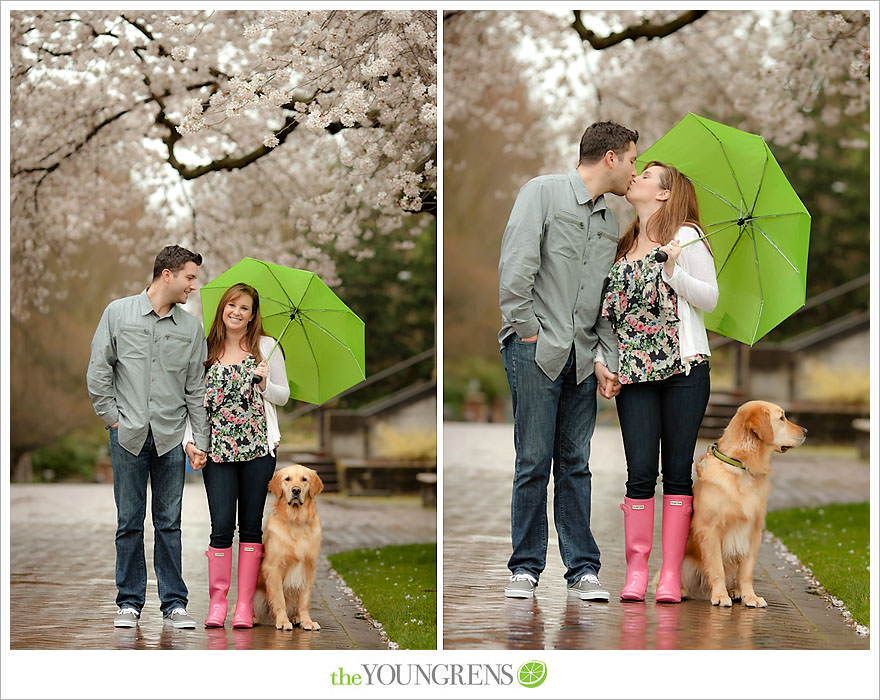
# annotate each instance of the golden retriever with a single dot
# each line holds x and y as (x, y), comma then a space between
(730, 502)
(291, 544)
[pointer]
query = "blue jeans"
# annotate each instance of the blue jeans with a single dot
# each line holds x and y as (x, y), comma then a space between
(245, 483)
(667, 413)
(553, 422)
(166, 476)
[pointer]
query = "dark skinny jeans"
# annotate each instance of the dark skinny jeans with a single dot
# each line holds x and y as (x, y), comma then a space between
(667, 413)
(244, 483)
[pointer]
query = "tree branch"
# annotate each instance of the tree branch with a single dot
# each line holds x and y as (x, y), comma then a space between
(646, 29)
(230, 162)
(449, 14)
(428, 196)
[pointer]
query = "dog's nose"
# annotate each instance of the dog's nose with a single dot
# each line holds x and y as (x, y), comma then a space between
(295, 490)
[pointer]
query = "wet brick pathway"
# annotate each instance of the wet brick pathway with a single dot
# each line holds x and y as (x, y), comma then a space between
(62, 558)
(478, 470)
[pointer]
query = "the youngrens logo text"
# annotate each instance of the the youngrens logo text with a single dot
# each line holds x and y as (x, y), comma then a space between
(441, 674)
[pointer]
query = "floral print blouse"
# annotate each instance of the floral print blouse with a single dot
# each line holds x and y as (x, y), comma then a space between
(643, 311)
(236, 417)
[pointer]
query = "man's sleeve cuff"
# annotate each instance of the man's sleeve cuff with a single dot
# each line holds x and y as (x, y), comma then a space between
(527, 329)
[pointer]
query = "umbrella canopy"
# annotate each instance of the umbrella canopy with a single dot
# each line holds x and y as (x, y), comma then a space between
(322, 339)
(757, 226)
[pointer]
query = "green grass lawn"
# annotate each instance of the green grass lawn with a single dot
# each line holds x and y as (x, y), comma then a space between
(833, 541)
(398, 587)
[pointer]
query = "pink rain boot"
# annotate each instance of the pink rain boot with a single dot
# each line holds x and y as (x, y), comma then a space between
(676, 523)
(219, 574)
(638, 530)
(250, 554)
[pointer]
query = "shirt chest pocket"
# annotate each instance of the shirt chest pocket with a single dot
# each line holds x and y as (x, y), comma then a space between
(605, 243)
(174, 351)
(131, 343)
(565, 235)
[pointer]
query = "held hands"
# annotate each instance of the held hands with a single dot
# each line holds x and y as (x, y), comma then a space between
(609, 384)
(673, 250)
(197, 458)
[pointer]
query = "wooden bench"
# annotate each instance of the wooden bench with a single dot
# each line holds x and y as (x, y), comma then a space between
(428, 488)
(863, 436)
(381, 477)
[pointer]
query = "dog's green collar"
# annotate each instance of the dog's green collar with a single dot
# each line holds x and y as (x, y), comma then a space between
(729, 460)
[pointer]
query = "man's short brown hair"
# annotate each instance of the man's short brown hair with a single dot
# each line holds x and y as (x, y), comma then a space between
(173, 257)
(601, 137)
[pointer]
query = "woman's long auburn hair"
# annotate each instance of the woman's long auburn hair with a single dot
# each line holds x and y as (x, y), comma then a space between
(681, 208)
(217, 335)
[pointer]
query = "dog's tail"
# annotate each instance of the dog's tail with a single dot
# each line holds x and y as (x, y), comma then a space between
(693, 585)
(262, 614)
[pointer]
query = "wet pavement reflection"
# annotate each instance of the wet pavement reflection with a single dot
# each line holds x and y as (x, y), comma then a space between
(62, 587)
(476, 547)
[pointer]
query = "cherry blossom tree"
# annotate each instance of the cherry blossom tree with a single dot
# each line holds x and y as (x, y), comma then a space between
(287, 134)
(762, 71)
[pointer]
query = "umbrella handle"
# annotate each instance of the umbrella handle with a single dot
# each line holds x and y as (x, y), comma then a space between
(256, 379)
(661, 256)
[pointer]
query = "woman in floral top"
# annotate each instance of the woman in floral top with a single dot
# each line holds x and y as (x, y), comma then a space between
(243, 388)
(655, 309)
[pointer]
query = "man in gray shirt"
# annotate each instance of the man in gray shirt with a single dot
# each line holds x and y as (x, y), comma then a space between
(146, 376)
(556, 252)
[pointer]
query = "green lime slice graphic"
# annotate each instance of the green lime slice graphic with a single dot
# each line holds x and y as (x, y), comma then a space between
(532, 673)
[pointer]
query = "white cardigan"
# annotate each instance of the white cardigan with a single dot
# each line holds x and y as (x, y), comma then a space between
(277, 393)
(693, 280)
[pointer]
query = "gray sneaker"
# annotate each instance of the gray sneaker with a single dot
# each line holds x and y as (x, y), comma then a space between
(126, 617)
(521, 586)
(180, 619)
(589, 588)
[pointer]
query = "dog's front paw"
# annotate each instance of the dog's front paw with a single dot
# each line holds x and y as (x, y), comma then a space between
(310, 625)
(722, 599)
(754, 601)
(283, 624)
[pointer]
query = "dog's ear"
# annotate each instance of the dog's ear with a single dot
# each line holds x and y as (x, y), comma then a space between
(315, 483)
(275, 484)
(759, 423)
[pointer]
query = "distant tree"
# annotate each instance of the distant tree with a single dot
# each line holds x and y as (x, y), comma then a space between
(761, 71)
(273, 133)
(395, 294)
(833, 185)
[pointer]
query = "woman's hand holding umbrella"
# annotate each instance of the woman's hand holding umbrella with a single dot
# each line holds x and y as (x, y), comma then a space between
(260, 374)
(668, 254)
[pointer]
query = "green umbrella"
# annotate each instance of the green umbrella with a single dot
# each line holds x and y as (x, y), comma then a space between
(322, 339)
(757, 226)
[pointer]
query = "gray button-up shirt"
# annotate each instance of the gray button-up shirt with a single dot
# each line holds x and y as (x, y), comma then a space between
(556, 252)
(148, 373)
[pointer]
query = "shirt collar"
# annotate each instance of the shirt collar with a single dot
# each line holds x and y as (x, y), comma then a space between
(582, 194)
(145, 306)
